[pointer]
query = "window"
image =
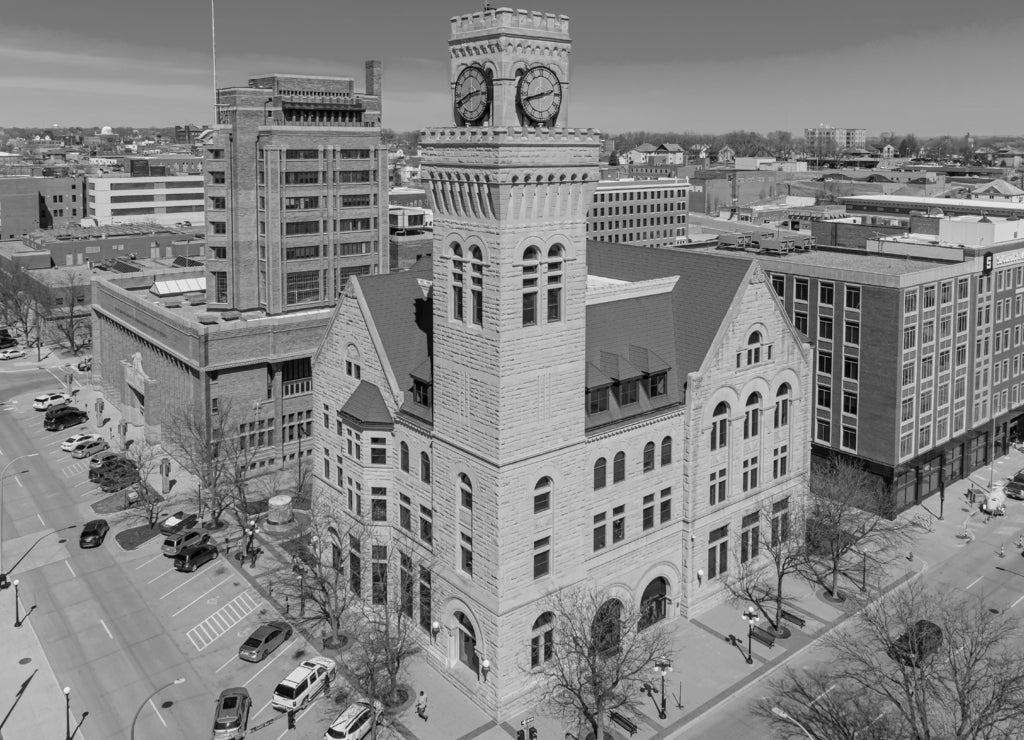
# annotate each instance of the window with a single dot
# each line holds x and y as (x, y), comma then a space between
(928, 297)
(466, 559)
(426, 614)
(946, 292)
(426, 525)
(849, 402)
(750, 537)
(629, 392)
(597, 400)
(378, 504)
(849, 438)
(425, 467)
(750, 473)
(822, 431)
(657, 385)
(542, 496)
(619, 467)
(754, 348)
(719, 426)
(214, 406)
(379, 574)
(619, 523)
(476, 267)
(782, 406)
(800, 289)
(465, 492)
(825, 363)
(851, 368)
(421, 392)
(378, 451)
(302, 287)
(355, 574)
(907, 409)
(780, 522)
(600, 473)
(600, 534)
(853, 297)
(824, 397)
(554, 287)
(780, 461)
(541, 557)
(718, 552)
(717, 489)
(220, 287)
(825, 327)
(751, 416)
(542, 641)
(909, 337)
(648, 512)
(826, 294)
(908, 373)
(666, 451)
(852, 332)
(648, 457)
(800, 321)
(403, 456)
(458, 282)
(779, 285)
(404, 512)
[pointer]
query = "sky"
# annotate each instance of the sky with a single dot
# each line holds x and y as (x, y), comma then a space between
(923, 66)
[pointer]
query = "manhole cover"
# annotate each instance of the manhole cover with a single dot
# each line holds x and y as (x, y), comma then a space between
(167, 705)
(24, 661)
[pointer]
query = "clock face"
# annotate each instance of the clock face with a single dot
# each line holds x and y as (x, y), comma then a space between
(539, 94)
(472, 94)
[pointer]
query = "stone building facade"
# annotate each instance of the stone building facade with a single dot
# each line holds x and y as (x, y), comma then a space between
(530, 411)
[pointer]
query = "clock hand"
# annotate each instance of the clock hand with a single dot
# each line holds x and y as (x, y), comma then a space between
(468, 95)
(538, 95)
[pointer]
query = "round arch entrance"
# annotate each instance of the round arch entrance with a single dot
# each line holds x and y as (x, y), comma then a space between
(654, 602)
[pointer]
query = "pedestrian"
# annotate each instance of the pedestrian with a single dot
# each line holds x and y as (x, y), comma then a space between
(253, 554)
(421, 705)
(1020, 542)
(1002, 551)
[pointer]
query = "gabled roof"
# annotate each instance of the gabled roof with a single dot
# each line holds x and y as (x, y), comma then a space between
(999, 186)
(700, 301)
(366, 407)
(645, 147)
(670, 148)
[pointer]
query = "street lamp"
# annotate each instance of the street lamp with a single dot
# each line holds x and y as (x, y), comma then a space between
(17, 613)
(786, 716)
(67, 712)
(138, 711)
(663, 666)
(3, 474)
(750, 616)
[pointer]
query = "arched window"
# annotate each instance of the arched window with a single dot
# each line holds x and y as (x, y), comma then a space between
(476, 268)
(404, 456)
(425, 467)
(531, 270)
(352, 366)
(458, 284)
(754, 348)
(467, 642)
(600, 473)
(649, 456)
(619, 467)
(751, 416)
(782, 406)
(720, 427)
(554, 283)
(542, 639)
(465, 491)
(542, 495)
(666, 451)
(606, 629)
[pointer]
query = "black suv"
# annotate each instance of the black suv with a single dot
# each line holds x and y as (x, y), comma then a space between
(63, 417)
(8, 342)
(917, 644)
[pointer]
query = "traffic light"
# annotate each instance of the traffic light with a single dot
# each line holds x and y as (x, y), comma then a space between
(533, 733)
(520, 735)
(291, 720)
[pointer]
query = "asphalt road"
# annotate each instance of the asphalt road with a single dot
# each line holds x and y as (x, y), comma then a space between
(115, 625)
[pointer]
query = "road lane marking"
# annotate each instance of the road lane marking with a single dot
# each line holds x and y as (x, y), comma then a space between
(140, 567)
(229, 662)
(182, 584)
(299, 716)
(107, 629)
(824, 693)
(40, 519)
(68, 563)
(1016, 602)
(169, 570)
(18, 480)
(262, 708)
(219, 623)
(228, 578)
(158, 715)
(280, 652)
(973, 582)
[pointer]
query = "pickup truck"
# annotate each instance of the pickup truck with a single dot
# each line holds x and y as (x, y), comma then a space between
(178, 522)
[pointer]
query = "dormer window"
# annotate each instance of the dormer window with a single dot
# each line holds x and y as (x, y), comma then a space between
(657, 385)
(629, 392)
(421, 392)
(597, 400)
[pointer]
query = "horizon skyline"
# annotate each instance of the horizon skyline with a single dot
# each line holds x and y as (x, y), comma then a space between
(771, 73)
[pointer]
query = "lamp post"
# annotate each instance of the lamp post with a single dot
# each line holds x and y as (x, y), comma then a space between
(786, 716)
(138, 711)
(750, 616)
(17, 613)
(663, 666)
(3, 474)
(67, 712)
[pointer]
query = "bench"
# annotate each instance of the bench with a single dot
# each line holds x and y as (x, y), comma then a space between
(763, 636)
(794, 619)
(623, 721)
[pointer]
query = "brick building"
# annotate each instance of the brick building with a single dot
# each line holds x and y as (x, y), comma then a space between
(651, 213)
(31, 203)
(531, 410)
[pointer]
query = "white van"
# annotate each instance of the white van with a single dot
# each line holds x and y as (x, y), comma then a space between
(304, 683)
(995, 502)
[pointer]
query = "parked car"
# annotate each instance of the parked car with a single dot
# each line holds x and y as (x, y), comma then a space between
(12, 354)
(355, 723)
(264, 641)
(8, 341)
(53, 398)
(177, 522)
(175, 543)
(304, 683)
(118, 479)
(93, 533)
(1015, 490)
(85, 364)
(64, 417)
(231, 718)
(192, 557)
(1018, 477)
(71, 442)
(104, 459)
(89, 447)
(915, 645)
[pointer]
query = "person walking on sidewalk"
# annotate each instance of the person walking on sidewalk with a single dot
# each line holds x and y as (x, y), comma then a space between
(421, 705)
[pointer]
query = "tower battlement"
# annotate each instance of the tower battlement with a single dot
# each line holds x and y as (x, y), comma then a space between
(512, 134)
(509, 19)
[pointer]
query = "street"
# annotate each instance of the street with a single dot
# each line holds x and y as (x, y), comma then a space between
(117, 626)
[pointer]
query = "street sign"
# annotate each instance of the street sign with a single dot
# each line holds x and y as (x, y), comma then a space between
(527, 721)
(268, 723)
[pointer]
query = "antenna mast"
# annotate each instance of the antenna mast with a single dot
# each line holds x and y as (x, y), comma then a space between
(213, 49)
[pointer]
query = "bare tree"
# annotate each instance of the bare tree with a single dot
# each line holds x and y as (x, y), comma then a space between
(599, 657)
(61, 308)
(21, 297)
(145, 458)
(766, 562)
(850, 515)
(970, 687)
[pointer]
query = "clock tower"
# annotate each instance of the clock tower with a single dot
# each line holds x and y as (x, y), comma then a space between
(510, 186)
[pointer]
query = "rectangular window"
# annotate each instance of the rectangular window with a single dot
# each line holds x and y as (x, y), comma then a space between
(600, 533)
(826, 294)
(657, 385)
(851, 368)
(853, 297)
(780, 522)
(379, 575)
(648, 512)
(426, 614)
(405, 512)
(929, 296)
(466, 562)
(378, 504)
(718, 552)
(302, 287)
(750, 473)
(717, 489)
(852, 333)
(780, 461)
(825, 363)
(800, 321)
(301, 178)
(849, 402)
(750, 537)
(426, 525)
(824, 397)
(629, 392)
(822, 431)
(825, 328)
(597, 400)
(220, 287)
(800, 289)
(666, 504)
(554, 304)
(910, 301)
(619, 523)
(378, 451)
(849, 438)
(541, 557)
(779, 285)
(909, 337)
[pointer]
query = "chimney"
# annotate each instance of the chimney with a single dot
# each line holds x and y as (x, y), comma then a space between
(373, 78)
